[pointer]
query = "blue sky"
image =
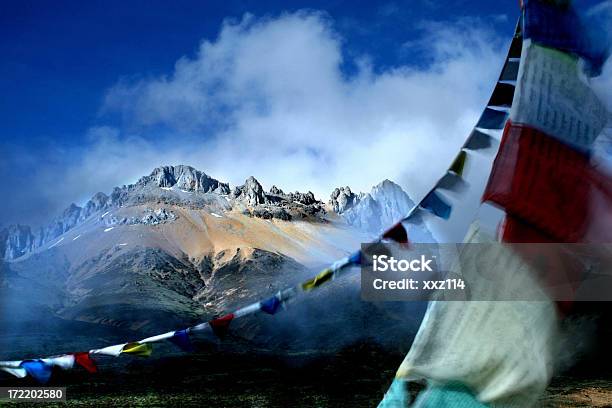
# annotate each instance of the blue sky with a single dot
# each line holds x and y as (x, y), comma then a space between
(59, 60)
(80, 82)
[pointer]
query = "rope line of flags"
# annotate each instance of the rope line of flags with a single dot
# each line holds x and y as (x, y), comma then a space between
(434, 202)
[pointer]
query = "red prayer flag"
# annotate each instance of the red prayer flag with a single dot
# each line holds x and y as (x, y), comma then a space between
(221, 324)
(397, 233)
(559, 269)
(516, 231)
(85, 361)
(546, 184)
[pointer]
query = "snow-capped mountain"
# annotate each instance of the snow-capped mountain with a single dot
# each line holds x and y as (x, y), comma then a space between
(186, 187)
(178, 245)
(377, 210)
(170, 185)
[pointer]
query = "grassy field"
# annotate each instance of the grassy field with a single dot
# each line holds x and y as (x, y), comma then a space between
(217, 376)
(354, 377)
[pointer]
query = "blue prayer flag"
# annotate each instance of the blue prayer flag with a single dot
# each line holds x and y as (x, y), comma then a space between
(38, 370)
(560, 26)
(510, 71)
(478, 140)
(270, 305)
(432, 202)
(355, 258)
(492, 119)
(181, 339)
(502, 95)
(452, 182)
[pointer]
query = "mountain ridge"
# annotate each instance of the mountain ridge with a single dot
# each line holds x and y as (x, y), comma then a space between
(178, 246)
(187, 187)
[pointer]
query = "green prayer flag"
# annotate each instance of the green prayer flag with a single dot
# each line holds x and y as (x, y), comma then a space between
(459, 163)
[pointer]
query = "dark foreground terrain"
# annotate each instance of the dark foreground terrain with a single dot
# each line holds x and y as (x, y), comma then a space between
(356, 376)
(221, 376)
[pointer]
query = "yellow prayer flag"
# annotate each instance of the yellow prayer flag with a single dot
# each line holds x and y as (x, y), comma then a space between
(138, 349)
(318, 280)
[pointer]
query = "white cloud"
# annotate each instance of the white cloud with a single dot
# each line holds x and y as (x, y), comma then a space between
(269, 98)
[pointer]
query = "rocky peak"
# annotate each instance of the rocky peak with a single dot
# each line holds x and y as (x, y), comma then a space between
(17, 241)
(394, 201)
(342, 199)
(303, 198)
(383, 206)
(71, 215)
(184, 178)
(276, 191)
(251, 192)
(164, 176)
(386, 184)
(97, 203)
(276, 204)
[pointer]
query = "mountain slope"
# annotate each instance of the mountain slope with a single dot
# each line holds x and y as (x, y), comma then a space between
(178, 247)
